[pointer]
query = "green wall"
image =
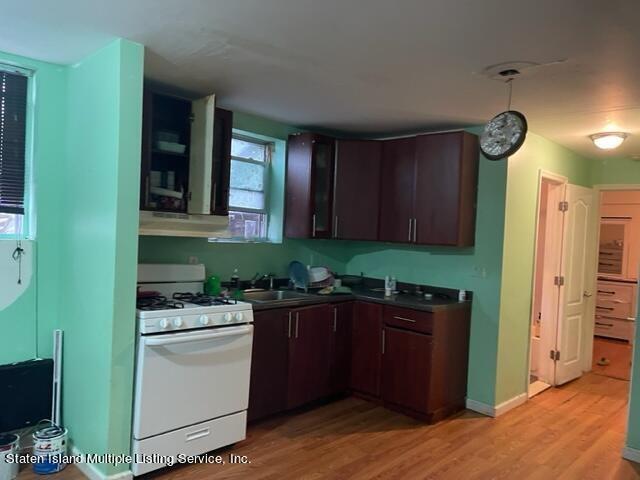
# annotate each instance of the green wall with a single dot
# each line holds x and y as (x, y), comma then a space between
(615, 170)
(27, 323)
(100, 178)
(86, 125)
(519, 245)
(633, 423)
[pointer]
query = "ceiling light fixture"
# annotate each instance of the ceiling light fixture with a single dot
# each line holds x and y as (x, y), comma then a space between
(608, 140)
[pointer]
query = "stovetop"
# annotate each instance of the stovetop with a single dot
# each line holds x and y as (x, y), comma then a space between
(202, 299)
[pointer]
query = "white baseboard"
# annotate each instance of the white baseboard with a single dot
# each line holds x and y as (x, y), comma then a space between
(92, 473)
(480, 407)
(632, 454)
(497, 410)
(510, 404)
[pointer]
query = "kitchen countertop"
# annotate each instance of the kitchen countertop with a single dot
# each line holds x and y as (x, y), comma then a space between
(367, 294)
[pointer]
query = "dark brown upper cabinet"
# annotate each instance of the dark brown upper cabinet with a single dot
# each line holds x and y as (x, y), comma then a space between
(397, 190)
(221, 171)
(428, 189)
(309, 186)
(418, 190)
(357, 189)
(186, 154)
(446, 189)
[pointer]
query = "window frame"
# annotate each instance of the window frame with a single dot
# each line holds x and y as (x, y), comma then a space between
(27, 229)
(265, 174)
(266, 178)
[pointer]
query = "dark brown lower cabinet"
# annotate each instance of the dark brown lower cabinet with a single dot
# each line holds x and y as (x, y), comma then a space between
(309, 354)
(341, 347)
(424, 361)
(406, 368)
(366, 348)
(269, 364)
(408, 360)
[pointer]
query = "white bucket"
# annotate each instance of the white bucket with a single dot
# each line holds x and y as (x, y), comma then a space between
(9, 445)
(49, 445)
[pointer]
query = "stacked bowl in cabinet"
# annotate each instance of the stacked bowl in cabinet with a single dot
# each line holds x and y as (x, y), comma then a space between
(615, 310)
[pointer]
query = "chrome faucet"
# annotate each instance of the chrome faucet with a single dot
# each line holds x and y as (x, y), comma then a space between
(270, 277)
(254, 279)
(266, 276)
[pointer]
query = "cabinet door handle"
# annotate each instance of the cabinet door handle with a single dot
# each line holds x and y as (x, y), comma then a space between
(598, 307)
(313, 225)
(297, 321)
(335, 319)
(607, 292)
(604, 324)
(335, 230)
(289, 329)
(383, 340)
(415, 230)
(405, 319)
(410, 222)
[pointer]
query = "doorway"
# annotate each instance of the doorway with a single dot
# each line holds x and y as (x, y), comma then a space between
(617, 280)
(562, 283)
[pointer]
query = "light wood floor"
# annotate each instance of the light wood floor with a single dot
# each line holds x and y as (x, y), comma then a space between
(572, 432)
(618, 352)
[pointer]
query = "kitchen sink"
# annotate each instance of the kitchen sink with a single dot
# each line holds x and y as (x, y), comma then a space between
(262, 296)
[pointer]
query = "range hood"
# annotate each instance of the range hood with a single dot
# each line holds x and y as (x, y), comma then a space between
(183, 225)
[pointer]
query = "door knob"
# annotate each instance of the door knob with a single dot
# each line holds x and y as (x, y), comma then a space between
(587, 294)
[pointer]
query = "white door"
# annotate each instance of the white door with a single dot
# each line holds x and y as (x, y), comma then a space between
(574, 295)
(551, 265)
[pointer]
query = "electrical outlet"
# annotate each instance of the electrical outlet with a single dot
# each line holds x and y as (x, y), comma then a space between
(192, 260)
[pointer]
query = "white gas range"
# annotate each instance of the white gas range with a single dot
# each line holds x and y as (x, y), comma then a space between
(193, 364)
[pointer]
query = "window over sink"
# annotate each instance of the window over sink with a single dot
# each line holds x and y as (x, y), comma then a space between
(249, 188)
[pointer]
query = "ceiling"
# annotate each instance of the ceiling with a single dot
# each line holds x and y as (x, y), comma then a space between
(370, 66)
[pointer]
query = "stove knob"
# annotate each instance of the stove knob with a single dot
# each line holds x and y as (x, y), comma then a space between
(204, 320)
(239, 316)
(163, 323)
(227, 317)
(177, 322)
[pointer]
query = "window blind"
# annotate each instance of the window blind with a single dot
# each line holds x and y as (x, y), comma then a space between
(13, 109)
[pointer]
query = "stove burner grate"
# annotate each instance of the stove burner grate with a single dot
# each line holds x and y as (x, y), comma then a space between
(203, 299)
(157, 303)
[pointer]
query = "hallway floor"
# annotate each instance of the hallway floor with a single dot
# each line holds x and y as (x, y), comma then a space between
(572, 432)
(618, 352)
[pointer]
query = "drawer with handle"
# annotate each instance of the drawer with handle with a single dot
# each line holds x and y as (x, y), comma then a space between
(615, 308)
(408, 319)
(616, 300)
(613, 328)
(616, 290)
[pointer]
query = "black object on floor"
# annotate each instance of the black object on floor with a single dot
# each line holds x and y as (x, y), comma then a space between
(25, 393)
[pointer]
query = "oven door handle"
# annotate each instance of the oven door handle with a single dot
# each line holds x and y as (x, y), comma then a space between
(197, 337)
